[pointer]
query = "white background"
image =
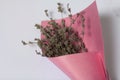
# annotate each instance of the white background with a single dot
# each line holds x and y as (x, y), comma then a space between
(17, 19)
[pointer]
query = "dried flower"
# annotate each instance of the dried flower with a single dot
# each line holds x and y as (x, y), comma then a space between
(37, 52)
(46, 13)
(83, 25)
(23, 42)
(60, 8)
(68, 8)
(37, 26)
(59, 4)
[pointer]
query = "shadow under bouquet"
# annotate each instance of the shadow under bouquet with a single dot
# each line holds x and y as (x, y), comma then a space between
(74, 44)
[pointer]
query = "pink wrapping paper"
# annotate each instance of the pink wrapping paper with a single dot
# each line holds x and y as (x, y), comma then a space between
(90, 65)
(85, 66)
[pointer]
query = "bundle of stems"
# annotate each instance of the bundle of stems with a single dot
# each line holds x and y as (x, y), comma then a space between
(58, 38)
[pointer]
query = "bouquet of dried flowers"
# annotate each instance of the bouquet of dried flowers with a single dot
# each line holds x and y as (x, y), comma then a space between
(61, 43)
(59, 38)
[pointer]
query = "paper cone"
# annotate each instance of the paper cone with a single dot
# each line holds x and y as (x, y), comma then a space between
(90, 65)
(81, 66)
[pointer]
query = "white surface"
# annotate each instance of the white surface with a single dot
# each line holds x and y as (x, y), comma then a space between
(17, 19)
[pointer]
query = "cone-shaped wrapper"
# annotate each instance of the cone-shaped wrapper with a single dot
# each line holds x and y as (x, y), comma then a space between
(90, 65)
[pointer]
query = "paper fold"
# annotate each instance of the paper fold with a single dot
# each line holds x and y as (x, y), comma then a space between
(81, 66)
